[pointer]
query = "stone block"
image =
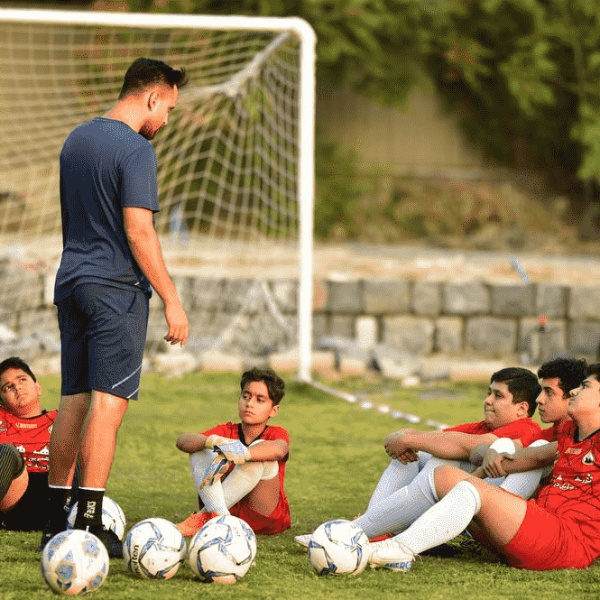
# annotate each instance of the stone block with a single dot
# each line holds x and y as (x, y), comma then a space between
(215, 361)
(584, 339)
(367, 331)
(491, 337)
(448, 337)
(285, 294)
(427, 298)
(342, 326)
(386, 297)
(584, 303)
(408, 334)
(513, 300)
(319, 327)
(345, 297)
(320, 296)
(538, 344)
(551, 301)
(468, 298)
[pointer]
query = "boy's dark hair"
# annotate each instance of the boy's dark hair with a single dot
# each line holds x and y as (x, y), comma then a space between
(145, 72)
(274, 383)
(569, 371)
(522, 384)
(14, 362)
(593, 370)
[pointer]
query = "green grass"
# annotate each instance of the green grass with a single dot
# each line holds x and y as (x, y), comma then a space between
(336, 459)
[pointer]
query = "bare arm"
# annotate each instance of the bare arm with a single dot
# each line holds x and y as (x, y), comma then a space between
(525, 459)
(266, 450)
(443, 444)
(147, 252)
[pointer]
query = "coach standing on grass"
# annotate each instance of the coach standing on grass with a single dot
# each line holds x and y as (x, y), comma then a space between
(110, 261)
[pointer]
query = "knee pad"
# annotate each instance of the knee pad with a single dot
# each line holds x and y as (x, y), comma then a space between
(503, 446)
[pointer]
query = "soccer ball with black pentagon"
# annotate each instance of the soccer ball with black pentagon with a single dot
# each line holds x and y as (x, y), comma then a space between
(154, 549)
(113, 517)
(74, 562)
(223, 550)
(338, 547)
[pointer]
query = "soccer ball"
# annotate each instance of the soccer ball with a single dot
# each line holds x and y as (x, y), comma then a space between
(154, 549)
(74, 562)
(113, 517)
(338, 547)
(223, 550)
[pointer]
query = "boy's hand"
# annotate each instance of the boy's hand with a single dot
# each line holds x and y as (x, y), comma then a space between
(234, 451)
(215, 471)
(216, 440)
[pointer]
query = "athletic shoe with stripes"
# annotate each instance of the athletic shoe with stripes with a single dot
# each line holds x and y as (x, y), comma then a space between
(391, 554)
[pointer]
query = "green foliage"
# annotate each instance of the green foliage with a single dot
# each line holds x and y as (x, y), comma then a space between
(335, 461)
(523, 74)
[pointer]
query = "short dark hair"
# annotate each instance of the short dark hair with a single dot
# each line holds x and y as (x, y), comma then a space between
(593, 370)
(522, 384)
(145, 72)
(14, 362)
(570, 372)
(274, 383)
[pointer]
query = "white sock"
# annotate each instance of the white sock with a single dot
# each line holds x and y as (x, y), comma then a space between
(243, 479)
(395, 476)
(444, 521)
(212, 496)
(400, 509)
(526, 483)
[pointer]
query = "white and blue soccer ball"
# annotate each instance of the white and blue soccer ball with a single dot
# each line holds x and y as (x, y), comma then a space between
(223, 550)
(154, 549)
(338, 547)
(113, 517)
(74, 562)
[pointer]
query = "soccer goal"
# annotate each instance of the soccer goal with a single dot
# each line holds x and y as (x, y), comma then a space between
(236, 166)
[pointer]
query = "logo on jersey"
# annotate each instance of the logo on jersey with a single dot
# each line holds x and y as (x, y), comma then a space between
(589, 458)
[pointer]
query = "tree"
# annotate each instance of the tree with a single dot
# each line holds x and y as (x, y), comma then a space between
(524, 75)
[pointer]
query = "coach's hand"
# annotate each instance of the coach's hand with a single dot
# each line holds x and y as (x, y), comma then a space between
(178, 324)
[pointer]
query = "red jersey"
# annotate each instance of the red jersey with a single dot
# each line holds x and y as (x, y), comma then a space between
(550, 434)
(571, 492)
(271, 432)
(30, 436)
(526, 430)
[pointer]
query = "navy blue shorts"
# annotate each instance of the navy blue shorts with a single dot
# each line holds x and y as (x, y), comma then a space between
(102, 334)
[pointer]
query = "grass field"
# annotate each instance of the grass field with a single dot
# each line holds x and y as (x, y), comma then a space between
(336, 459)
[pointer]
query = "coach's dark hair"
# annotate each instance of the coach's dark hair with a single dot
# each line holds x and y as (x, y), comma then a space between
(145, 72)
(274, 383)
(522, 384)
(569, 371)
(14, 362)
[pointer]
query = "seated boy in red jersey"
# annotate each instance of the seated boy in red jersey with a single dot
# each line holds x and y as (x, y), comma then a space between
(558, 529)
(24, 437)
(239, 468)
(404, 490)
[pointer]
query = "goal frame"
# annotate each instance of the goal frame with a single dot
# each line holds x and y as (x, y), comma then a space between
(306, 143)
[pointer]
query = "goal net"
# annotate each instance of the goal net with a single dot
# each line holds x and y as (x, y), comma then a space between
(236, 173)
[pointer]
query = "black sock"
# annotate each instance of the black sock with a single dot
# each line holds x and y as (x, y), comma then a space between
(11, 466)
(58, 503)
(89, 508)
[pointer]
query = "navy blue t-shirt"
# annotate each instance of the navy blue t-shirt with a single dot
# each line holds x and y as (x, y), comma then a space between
(105, 166)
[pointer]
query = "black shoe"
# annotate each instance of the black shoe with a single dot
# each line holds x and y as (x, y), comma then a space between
(47, 534)
(111, 541)
(442, 551)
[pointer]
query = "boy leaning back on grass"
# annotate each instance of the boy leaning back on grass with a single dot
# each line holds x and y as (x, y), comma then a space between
(239, 468)
(558, 529)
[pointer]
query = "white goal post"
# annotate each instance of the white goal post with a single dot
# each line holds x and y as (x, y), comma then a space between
(236, 167)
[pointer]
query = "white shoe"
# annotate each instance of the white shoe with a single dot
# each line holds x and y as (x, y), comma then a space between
(391, 554)
(303, 540)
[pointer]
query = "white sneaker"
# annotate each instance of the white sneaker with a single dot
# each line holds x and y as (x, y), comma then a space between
(303, 540)
(391, 554)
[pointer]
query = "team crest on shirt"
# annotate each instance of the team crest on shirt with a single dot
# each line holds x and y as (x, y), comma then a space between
(589, 458)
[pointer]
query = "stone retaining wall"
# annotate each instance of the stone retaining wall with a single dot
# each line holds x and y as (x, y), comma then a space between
(421, 318)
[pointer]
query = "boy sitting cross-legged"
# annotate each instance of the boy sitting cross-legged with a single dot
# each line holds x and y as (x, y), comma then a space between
(238, 468)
